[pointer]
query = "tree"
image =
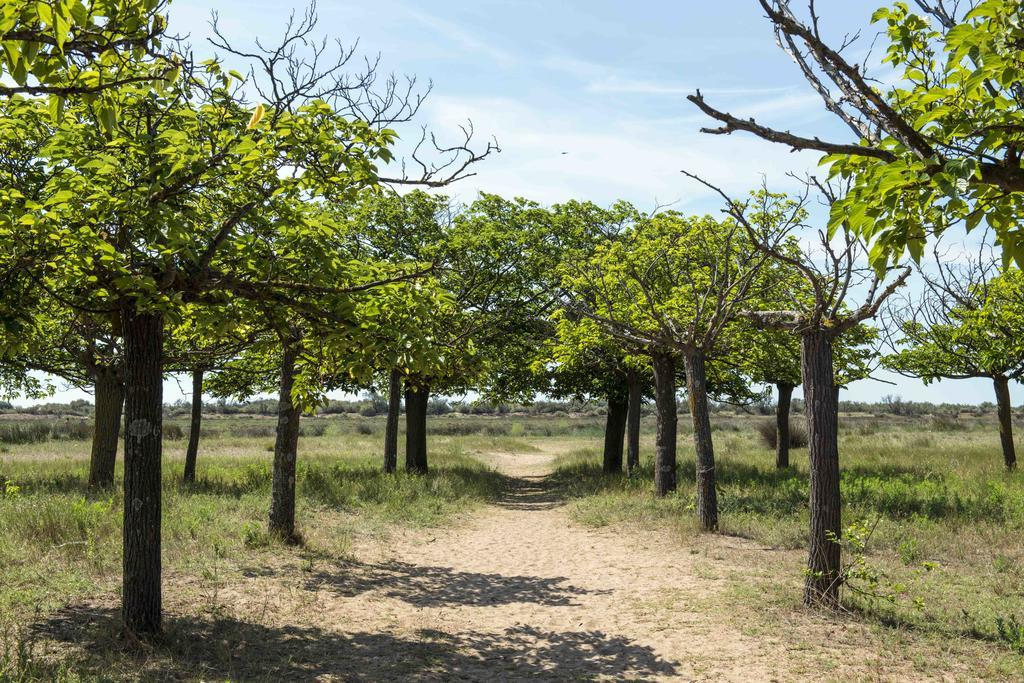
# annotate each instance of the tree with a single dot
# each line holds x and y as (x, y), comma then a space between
(833, 276)
(577, 358)
(582, 362)
(85, 350)
(82, 48)
(773, 357)
(310, 344)
(967, 323)
(402, 229)
(940, 146)
(775, 361)
(483, 282)
(673, 284)
(205, 338)
(173, 202)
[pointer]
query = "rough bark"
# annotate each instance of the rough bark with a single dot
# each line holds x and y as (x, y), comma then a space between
(633, 425)
(416, 397)
(697, 390)
(143, 385)
(195, 427)
(821, 399)
(286, 446)
(1005, 412)
(391, 428)
(106, 427)
(665, 439)
(782, 424)
(614, 431)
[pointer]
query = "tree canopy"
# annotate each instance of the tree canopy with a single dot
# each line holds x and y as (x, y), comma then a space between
(940, 146)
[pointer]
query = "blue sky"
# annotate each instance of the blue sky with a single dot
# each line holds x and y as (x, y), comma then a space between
(602, 81)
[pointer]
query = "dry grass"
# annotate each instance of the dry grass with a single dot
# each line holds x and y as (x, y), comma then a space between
(60, 541)
(241, 608)
(936, 498)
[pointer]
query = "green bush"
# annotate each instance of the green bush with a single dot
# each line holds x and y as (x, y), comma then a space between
(313, 429)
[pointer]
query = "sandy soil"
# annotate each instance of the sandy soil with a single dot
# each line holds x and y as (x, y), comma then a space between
(516, 592)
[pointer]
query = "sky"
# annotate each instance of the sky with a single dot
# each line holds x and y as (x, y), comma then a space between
(587, 99)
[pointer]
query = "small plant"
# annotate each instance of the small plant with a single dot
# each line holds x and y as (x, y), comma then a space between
(769, 434)
(1002, 564)
(1011, 632)
(17, 658)
(869, 581)
(909, 551)
(8, 489)
(255, 536)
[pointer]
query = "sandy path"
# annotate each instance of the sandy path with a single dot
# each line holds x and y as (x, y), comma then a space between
(521, 591)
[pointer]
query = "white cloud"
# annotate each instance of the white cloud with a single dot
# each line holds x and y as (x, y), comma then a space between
(461, 37)
(626, 85)
(563, 152)
(790, 103)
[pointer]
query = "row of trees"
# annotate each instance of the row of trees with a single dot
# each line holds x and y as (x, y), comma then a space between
(161, 213)
(165, 215)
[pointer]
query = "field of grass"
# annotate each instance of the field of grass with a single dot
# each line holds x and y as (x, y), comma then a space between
(58, 540)
(941, 518)
(946, 546)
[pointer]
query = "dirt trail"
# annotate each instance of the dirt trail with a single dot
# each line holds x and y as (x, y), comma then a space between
(521, 591)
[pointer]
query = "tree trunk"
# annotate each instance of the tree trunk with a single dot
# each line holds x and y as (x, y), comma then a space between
(821, 400)
(143, 386)
(782, 424)
(391, 428)
(1005, 412)
(697, 389)
(416, 397)
(665, 440)
(633, 425)
(286, 446)
(614, 430)
(106, 427)
(195, 427)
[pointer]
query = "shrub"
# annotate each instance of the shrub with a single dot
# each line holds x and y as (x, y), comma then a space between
(173, 432)
(313, 429)
(253, 431)
(438, 406)
(71, 430)
(797, 434)
(453, 427)
(25, 432)
(364, 427)
(947, 423)
(498, 429)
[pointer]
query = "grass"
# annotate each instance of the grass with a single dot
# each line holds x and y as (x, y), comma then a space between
(934, 490)
(940, 496)
(58, 540)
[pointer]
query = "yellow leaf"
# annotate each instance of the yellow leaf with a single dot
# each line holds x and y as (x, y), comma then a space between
(256, 116)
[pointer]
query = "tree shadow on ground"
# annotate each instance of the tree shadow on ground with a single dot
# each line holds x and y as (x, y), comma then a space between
(530, 493)
(85, 639)
(426, 586)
